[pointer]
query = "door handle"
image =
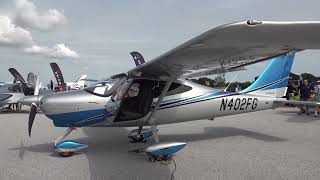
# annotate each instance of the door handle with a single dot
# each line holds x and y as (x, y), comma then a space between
(93, 102)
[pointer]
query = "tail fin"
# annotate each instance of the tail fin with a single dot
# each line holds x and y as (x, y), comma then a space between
(59, 77)
(273, 81)
(138, 58)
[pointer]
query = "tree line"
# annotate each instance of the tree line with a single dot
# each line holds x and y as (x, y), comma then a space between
(219, 81)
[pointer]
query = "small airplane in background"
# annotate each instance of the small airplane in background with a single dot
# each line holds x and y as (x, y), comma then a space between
(157, 92)
(11, 93)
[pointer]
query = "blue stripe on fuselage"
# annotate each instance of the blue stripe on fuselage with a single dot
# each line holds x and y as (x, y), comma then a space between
(79, 118)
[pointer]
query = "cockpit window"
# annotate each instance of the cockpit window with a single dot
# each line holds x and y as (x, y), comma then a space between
(15, 88)
(105, 88)
(100, 88)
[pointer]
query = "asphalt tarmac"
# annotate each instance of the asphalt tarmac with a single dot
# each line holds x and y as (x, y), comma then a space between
(274, 144)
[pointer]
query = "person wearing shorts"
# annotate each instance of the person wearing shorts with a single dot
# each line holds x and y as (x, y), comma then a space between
(305, 92)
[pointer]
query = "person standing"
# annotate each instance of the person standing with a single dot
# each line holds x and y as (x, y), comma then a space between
(317, 98)
(238, 88)
(305, 92)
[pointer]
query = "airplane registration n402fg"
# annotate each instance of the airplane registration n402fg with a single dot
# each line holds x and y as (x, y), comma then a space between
(157, 92)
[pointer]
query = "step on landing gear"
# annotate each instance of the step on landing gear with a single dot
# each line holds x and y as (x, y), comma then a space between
(67, 148)
(145, 134)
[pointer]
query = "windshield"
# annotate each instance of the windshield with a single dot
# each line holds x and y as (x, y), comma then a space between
(105, 88)
(15, 88)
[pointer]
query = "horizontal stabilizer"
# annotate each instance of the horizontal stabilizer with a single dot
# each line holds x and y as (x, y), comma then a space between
(292, 102)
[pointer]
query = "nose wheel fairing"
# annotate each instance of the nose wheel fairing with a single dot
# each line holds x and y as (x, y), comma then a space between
(67, 148)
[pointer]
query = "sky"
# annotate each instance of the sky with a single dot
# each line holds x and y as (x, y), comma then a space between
(95, 37)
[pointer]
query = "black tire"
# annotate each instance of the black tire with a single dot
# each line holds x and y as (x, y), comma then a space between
(66, 154)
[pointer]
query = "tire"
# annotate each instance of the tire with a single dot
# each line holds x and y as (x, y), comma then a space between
(66, 154)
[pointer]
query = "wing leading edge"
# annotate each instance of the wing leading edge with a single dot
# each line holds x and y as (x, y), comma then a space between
(231, 46)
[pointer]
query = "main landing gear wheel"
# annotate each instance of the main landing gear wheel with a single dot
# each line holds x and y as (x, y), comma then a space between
(139, 138)
(66, 154)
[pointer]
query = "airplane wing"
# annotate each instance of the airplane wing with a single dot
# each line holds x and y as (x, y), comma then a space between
(293, 102)
(232, 46)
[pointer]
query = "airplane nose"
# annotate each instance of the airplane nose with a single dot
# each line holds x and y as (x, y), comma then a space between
(28, 100)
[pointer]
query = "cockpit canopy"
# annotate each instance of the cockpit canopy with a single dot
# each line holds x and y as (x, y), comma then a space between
(15, 88)
(106, 87)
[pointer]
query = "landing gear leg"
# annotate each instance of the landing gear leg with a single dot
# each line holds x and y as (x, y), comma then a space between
(67, 148)
(155, 133)
(151, 120)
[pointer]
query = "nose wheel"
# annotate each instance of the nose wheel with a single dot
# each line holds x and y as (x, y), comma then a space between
(67, 148)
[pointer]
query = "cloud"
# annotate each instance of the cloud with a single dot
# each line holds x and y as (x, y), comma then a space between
(12, 35)
(59, 51)
(28, 17)
(15, 36)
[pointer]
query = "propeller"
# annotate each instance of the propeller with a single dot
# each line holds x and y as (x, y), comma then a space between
(32, 116)
(34, 107)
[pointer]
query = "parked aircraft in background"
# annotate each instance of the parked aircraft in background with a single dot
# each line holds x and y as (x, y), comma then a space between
(66, 86)
(157, 92)
(11, 93)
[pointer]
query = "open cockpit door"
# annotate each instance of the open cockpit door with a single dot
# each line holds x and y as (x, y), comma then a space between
(135, 98)
(132, 100)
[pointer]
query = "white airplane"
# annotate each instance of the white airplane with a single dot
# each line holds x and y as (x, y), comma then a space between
(78, 84)
(66, 86)
(155, 92)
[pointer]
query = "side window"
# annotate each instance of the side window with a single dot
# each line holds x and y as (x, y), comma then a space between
(180, 89)
(175, 88)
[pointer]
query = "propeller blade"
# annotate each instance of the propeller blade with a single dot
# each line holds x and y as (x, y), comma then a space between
(37, 85)
(32, 115)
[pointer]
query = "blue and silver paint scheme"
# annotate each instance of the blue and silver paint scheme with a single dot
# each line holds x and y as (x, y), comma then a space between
(83, 108)
(75, 108)
(273, 80)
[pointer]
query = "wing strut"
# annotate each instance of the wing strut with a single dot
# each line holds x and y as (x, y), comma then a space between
(152, 121)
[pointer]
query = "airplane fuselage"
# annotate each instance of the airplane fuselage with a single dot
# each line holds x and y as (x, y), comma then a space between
(10, 94)
(81, 108)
